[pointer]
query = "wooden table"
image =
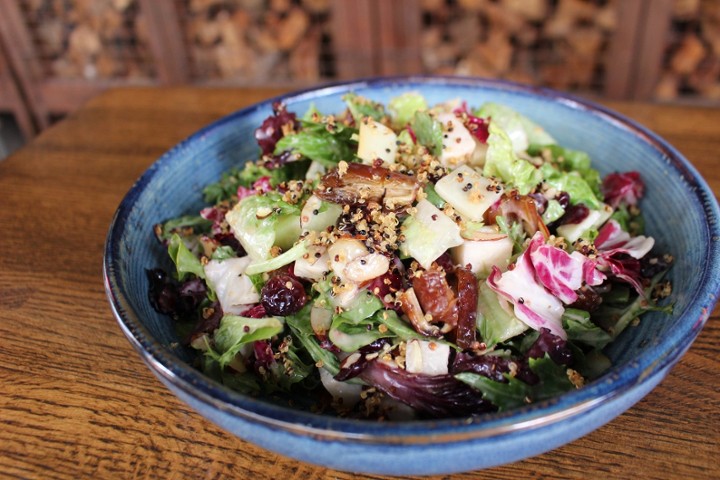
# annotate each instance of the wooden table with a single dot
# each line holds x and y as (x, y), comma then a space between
(76, 400)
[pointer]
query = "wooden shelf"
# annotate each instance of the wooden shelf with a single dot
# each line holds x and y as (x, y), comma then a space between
(58, 55)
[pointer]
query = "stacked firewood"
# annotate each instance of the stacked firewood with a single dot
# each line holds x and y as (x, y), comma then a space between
(558, 43)
(692, 65)
(257, 41)
(89, 39)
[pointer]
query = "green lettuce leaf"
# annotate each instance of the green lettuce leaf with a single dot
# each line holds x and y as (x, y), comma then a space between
(552, 212)
(281, 260)
(236, 331)
(223, 253)
(349, 335)
(580, 329)
(323, 146)
(433, 197)
(501, 162)
(258, 235)
(519, 128)
(515, 231)
(403, 107)
(301, 328)
(185, 261)
(361, 107)
(196, 222)
(572, 183)
(363, 307)
(553, 381)
(227, 186)
(633, 224)
(567, 160)
(615, 319)
(428, 131)
(358, 324)
(403, 330)
(494, 323)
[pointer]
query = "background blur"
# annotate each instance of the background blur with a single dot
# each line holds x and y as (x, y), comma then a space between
(56, 54)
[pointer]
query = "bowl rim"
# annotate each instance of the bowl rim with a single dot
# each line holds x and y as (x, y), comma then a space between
(655, 358)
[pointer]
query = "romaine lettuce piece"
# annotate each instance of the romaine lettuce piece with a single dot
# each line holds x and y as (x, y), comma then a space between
(322, 147)
(428, 132)
(572, 183)
(236, 331)
(501, 162)
(301, 328)
(281, 260)
(349, 336)
(554, 211)
(495, 323)
(403, 107)
(165, 231)
(185, 261)
(581, 329)
(361, 107)
(567, 160)
(521, 130)
(256, 221)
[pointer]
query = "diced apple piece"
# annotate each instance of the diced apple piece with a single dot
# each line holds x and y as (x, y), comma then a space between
(345, 295)
(348, 394)
(427, 358)
(468, 192)
(375, 140)
(312, 266)
(458, 142)
(481, 255)
(572, 231)
(428, 233)
(315, 171)
(317, 215)
(234, 289)
(320, 320)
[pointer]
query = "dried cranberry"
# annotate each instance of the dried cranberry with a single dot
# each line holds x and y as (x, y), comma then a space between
(229, 240)
(553, 345)
(264, 356)
(652, 265)
(575, 214)
(256, 311)
(351, 366)
(207, 324)
(445, 262)
(283, 295)
(387, 283)
(563, 198)
(587, 299)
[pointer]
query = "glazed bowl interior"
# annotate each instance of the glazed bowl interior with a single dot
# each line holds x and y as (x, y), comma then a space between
(680, 213)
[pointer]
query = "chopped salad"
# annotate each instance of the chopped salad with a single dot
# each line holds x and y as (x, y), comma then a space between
(409, 260)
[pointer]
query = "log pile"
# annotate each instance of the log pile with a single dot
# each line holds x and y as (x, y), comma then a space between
(89, 39)
(257, 41)
(692, 63)
(558, 43)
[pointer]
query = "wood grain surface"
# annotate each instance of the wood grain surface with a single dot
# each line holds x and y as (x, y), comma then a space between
(77, 402)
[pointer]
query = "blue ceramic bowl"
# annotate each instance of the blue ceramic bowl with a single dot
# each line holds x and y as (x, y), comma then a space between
(680, 211)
